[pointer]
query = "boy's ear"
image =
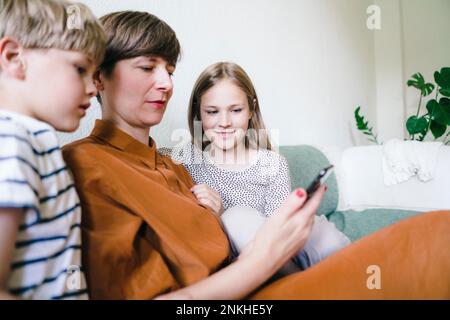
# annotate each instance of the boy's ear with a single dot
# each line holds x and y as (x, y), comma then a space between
(98, 80)
(11, 58)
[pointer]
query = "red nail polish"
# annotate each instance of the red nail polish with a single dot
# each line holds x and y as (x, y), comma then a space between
(300, 193)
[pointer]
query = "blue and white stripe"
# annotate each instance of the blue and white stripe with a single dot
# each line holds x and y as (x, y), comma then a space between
(33, 176)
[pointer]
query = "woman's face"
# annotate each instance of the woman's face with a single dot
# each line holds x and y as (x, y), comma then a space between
(137, 91)
(225, 115)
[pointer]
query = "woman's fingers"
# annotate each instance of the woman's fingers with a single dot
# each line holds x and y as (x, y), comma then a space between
(297, 201)
(304, 220)
(293, 203)
(313, 203)
(308, 211)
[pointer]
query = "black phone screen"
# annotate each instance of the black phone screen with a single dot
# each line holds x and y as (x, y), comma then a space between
(319, 180)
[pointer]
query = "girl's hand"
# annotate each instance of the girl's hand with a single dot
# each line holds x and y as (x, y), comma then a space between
(208, 197)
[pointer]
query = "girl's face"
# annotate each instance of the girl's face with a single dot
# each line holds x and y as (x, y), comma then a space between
(225, 114)
(137, 92)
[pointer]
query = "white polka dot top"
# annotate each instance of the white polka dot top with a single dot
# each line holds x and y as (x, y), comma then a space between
(263, 185)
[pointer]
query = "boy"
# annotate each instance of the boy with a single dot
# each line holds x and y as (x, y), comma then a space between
(49, 50)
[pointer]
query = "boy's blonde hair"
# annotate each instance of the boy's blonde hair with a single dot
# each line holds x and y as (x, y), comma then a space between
(58, 24)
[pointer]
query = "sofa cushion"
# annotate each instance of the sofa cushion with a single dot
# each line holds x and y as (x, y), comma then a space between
(357, 224)
(305, 162)
(362, 185)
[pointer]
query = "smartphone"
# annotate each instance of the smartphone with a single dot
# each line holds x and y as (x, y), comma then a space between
(319, 180)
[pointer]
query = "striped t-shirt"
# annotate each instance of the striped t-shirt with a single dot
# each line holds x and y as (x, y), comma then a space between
(46, 262)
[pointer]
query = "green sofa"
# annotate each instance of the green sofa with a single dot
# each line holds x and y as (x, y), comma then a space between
(305, 162)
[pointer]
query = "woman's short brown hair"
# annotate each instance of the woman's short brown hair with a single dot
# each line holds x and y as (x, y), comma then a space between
(132, 34)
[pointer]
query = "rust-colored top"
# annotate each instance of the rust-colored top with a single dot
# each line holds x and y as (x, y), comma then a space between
(144, 232)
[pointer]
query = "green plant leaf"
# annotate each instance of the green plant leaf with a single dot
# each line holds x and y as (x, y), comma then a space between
(418, 82)
(363, 126)
(437, 129)
(416, 125)
(432, 106)
(442, 78)
(360, 120)
(441, 112)
(445, 92)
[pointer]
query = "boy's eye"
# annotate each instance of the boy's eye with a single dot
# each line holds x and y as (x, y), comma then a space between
(81, 70)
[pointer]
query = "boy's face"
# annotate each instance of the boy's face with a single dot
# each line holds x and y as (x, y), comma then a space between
(59, 85)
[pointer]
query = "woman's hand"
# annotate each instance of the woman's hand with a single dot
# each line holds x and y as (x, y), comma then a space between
(286, 231)
(283, 235)
(208, 197)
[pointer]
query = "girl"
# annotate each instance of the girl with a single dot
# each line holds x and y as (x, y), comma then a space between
(234, 165)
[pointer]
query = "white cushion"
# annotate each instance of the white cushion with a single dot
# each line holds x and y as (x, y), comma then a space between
(362, 185)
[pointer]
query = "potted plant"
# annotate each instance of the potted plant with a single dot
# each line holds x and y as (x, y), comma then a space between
(436, 119)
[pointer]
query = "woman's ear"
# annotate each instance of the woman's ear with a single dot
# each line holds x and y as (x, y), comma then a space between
(98, 80)
(12, 60)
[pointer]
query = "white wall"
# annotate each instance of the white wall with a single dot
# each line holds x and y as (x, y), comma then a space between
(413, 38)
(426, 44)
(390, 109)
(312, 61)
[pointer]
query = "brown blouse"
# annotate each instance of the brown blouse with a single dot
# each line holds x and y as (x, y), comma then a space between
(136, 208)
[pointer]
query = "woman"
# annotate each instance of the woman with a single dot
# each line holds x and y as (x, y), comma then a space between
(147, 236)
